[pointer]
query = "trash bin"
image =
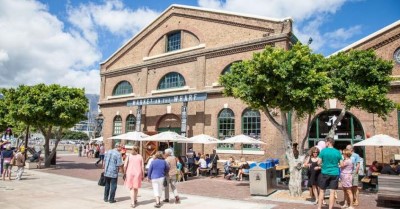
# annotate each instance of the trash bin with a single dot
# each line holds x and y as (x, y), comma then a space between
(53, 160)
(262, 180)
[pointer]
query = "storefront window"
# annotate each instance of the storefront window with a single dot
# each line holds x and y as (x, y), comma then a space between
(117, 125)
(123, 88)
(226, 126)
(130, 123)
(251, 126)
(171, 80)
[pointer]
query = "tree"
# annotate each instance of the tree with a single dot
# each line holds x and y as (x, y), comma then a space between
(294, 80)
(361, 80)
(74, 135)
(48, 108)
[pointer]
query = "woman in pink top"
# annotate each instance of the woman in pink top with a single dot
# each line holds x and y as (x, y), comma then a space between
(346, 178)
(134, 172)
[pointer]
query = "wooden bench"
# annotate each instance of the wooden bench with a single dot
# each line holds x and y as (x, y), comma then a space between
(389, 190)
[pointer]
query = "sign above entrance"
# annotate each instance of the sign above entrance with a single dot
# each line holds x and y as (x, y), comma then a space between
(168, 99)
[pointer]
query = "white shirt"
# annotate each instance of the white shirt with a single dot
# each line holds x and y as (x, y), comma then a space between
(203, 163)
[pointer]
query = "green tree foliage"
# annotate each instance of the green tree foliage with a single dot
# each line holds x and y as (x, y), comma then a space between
(47, 107)
(74, 135)
(294, 80)
(361, 80)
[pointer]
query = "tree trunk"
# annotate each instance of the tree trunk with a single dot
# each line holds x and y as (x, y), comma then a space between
(337, 121)
(303, 142)
(50, 155)
(295, 169)
(26, 141)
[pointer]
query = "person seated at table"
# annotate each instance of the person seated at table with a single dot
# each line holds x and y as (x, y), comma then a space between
(202, 164)
(229, 172)
(373, 168)
(389, 169)
(243, 169)
(208, 159)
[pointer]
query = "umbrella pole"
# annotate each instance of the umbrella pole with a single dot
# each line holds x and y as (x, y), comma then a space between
(382, 153)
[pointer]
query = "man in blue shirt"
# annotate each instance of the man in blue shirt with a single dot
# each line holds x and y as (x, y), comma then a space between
(328, 162)
(355, 159)
(112, 162)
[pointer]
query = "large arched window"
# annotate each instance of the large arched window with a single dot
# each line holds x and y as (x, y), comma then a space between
(123, 88)
(117, 125)
(171, 80)
(130, 123)
(226, 126)
(251, 126)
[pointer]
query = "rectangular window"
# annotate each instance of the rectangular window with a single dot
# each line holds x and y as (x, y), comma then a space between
(174, 41)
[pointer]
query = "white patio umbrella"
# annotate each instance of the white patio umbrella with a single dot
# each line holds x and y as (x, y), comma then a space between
(167, 136)
(202, 139)
(380, 140)
(242, 139)
(131, 136)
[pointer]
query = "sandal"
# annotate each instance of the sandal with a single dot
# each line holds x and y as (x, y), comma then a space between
(157, 205)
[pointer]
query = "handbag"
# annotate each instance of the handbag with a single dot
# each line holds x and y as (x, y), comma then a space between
(102, 180)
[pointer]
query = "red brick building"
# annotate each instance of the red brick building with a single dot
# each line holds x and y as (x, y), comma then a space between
(166, 78)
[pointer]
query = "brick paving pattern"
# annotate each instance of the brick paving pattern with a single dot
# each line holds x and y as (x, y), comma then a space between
(82, 167)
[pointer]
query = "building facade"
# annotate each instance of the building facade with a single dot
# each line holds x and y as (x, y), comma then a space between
(166, 78)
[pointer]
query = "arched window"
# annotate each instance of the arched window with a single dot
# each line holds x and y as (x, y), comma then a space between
(123, 88)
(171, 80)
(130, 123)
(117, 125)
(173, 41)
(251, 126)
(226, 126)
(227, 69)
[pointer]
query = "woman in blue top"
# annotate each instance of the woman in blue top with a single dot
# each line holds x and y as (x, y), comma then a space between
(156, 175)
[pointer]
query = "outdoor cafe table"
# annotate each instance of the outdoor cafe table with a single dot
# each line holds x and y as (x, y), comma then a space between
(283, 169)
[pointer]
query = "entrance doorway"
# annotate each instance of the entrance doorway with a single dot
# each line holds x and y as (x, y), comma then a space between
(348, 131)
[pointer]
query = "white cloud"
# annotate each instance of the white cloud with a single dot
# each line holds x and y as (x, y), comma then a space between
(299, 10)
(112, 16)
(34, 48)
(308, 16)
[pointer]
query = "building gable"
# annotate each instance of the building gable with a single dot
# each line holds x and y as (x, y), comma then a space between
(200, 29)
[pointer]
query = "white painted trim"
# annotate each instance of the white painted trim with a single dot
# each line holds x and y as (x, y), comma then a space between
(120, 96)
(368, 37)
(200, 46)
(245, 152)
(184, 88)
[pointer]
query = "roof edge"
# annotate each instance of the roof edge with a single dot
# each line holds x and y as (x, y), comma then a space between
(397, 23)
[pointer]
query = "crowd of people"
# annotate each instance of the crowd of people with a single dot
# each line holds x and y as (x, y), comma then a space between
(327, 167)
(162, 172)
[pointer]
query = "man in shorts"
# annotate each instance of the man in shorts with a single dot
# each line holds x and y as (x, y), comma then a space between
(329, 160)
(355, 159)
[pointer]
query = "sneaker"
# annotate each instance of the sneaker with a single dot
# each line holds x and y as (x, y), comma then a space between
(112, 201)
(166, 200)
(344, 206)
(157, 205)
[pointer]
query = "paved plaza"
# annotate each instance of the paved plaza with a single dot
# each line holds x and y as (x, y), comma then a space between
(73, 184)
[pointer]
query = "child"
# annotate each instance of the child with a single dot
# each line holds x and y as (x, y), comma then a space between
(346, 178)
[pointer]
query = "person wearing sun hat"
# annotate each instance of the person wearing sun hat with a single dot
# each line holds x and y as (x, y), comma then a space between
(20, 162)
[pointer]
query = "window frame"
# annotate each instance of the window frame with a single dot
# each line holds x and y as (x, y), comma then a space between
(172, 43)
(130, 123)
(248, 121)
(164, 84)
(117, 127)
(122, 88)
(229, 124)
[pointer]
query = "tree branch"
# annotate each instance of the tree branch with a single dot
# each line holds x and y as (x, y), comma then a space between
(337, 121)
(272, 119)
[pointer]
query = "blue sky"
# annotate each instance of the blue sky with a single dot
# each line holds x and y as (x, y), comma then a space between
(63, 41)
